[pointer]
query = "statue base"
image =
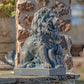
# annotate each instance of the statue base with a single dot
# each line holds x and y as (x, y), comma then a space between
(40, 72)
(8, 77)
(5, 66)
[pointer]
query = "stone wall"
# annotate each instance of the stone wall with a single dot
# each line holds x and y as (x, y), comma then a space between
(7, 38)
(25, 10)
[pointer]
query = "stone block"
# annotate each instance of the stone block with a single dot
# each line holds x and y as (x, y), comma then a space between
(68, 62)
(7, 47)
(65, 42)
(61, 8)
(23, 34)
(65, 25)
(40, 71)
(68, 2)
(26, 21)
(7, 30)
(5, 66)
(45, 3)
(42, 2)
(26, 7)
(2, 55)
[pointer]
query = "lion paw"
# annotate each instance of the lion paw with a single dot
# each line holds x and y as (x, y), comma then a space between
(47, 65)
(31, 65)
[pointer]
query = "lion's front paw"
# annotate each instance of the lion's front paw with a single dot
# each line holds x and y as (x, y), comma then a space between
(31, 65)
(47, 65)
(59, 66)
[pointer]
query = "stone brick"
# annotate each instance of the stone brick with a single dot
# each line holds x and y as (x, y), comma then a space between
(26, 7)
(66, 42)
(7, 47)
(68, 62)
(65, 25)
(5, 66)
(26, 21)
(63, 43)
(2, 55)
(42, 2)
(23, 34)
(7, 30)
(61, 8)
(4, 33)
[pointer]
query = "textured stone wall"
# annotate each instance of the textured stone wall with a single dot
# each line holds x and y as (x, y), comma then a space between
(7, 38)
(25, 10)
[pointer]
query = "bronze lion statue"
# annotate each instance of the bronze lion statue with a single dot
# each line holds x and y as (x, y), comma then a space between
(41, 49)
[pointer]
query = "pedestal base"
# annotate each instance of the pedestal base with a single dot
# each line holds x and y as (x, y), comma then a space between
(40, 72)
(5, 66)
(8, 77)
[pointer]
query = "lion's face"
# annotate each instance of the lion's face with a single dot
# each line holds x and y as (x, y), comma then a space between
(49, 28)
(46, 24)
(50, 21)
(53, 24)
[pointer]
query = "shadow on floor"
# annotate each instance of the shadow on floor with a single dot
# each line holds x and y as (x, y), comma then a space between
(79, 82)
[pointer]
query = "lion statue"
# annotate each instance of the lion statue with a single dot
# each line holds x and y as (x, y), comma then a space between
(41, 49)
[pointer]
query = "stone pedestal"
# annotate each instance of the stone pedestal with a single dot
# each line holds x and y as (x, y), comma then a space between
(7, 77)
(40, 72)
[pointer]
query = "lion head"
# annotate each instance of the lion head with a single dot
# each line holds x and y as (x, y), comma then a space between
(46, 25)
